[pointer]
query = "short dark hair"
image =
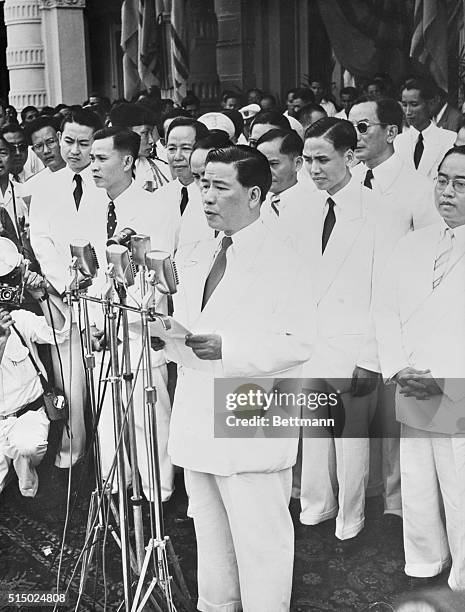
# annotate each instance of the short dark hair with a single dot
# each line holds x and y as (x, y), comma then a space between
(460, 150)
(253, 169)
(426, 87)
(229, 93)
(304, 94)
(304, 114)
(190, 99)
(26, 109)
(390, 112)
(124, 140)
(82, 116)
(291, 143)
(200, 129)
(12, 128)
(349, 91)
(271, 118)
(236, 118)
(216, 139)
(339, 132)
(38, 124)
(269, 96)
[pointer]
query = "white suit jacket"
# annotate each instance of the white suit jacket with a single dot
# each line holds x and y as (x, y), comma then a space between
(264, 311)
(404, 201)
(345, 274)
(294, 223)
(425, 329)
(436, 142)
(192, 226)
(55, 222)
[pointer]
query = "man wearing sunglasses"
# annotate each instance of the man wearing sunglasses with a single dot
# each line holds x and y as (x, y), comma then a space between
(422, 145)
(405, 203)
(24, 162)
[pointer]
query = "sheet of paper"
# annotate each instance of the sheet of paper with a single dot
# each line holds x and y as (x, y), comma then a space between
(174, 336)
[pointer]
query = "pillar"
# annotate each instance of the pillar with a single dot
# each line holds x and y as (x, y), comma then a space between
(65, 51)
(203, 34)
(236, 43)
(25, 54)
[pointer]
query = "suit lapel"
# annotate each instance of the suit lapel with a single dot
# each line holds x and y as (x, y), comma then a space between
(193, 274)
(340, 244)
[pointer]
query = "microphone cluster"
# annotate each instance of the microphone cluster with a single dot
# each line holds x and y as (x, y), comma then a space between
(125, 252)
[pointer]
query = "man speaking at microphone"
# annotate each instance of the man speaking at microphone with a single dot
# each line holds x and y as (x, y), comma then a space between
(113, 154)
(250, 308)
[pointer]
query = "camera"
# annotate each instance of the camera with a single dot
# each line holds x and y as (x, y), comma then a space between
(11, 275)
(122, 238)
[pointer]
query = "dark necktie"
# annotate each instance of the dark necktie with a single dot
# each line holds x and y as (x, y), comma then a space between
(77, 193)
(184, 199)
(217, 271)
(111, 219)
(16, 178)
(419, 148)
(368, 178)
(328, 225)
(275, 200)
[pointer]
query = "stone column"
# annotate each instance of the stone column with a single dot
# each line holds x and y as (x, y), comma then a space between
(235, 48)
(65, 49)
(25, 54)
(203, 78)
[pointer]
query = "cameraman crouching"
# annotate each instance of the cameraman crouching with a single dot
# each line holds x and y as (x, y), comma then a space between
(24, 423)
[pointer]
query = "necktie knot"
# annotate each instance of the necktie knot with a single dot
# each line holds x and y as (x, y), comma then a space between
(275, 200)
(368, 178)
(77, 193)
(111, 219)
(420, 137)
(226, 242)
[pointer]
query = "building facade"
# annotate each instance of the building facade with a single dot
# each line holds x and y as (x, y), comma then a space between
(54, 51)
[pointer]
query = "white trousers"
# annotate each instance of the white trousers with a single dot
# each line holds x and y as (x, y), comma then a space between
(163, 415)
(71, 449)
(385, 453)
(23, 441)
(432, 479)
(335, 472)
(245, 540)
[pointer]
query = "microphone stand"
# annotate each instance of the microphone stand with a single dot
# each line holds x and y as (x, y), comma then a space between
(116, 391)
(136, 498)
(160, 547)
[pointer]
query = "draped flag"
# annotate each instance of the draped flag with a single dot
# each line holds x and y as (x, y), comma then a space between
(436, 26)
(368, 36)
(130, 46)
(179, 53)
(429, 39)
(141, 42)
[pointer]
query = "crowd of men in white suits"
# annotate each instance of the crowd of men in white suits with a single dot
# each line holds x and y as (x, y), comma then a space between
(334, 257)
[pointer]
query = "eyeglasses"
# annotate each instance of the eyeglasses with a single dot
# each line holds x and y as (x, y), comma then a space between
(19, 148)
(362, 126)
(40, 146)
(458, 184)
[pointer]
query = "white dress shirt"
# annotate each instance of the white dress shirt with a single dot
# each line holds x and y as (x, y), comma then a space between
(436, 142)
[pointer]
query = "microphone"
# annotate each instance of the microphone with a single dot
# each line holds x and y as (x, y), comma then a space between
(166, 275)
(119, 257)
(86, 257)
(140, 245)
